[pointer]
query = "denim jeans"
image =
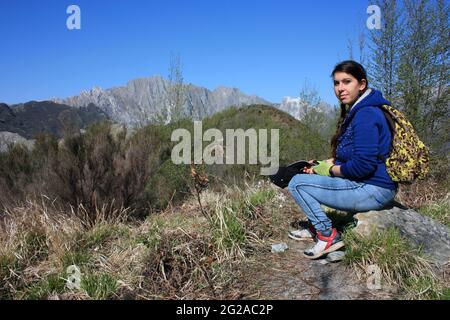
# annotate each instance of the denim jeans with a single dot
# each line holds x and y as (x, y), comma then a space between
(312, 190)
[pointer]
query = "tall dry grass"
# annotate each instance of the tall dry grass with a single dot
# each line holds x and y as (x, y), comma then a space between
(176, 254)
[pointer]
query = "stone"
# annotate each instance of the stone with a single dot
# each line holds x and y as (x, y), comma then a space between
(335, 256)
(280, 247)
(421, 231)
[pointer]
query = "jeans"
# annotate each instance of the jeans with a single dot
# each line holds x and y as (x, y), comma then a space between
(312, 190)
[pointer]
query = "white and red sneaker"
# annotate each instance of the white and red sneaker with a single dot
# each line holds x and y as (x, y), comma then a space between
(325, 245)
(303, 233)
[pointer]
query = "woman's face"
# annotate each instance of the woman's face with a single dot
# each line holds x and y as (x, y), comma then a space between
(347, 87)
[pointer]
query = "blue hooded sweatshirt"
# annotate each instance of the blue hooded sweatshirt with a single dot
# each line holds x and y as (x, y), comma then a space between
(366, 136)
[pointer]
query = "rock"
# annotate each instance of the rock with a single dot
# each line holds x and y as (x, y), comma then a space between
(336, 256)
(431, 236)
(280, 247)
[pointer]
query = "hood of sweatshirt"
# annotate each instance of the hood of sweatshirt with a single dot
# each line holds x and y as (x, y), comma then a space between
(373, 99)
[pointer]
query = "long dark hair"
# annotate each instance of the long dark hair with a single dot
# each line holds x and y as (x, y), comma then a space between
(358, 71)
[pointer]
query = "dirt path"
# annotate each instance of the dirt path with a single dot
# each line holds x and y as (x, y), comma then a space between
(289, 275)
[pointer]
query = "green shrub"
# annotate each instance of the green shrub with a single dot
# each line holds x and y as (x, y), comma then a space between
(170, 183)
(8, 270)
(52, 284)
(75, 257)
(261, 197)
(229, 230)
(108, 166)
(99, 286)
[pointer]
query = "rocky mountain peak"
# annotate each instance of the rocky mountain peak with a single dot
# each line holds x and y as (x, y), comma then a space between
(142, 99)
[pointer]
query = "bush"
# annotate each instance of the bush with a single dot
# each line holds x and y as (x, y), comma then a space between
(108, 167)
(169, 183)
(99, 286)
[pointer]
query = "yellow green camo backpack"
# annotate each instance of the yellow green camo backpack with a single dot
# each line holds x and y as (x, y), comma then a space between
(409, 157)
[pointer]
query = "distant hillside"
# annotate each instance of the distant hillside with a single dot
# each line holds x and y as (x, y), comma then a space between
(135, 167)
(296, 140)
(142, 99)
(31, 118)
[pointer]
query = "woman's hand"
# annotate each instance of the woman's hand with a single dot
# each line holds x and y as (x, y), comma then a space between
(323, 168)
(315, 162)
(310, 170)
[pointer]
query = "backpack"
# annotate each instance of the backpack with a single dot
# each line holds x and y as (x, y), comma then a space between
(409, 157)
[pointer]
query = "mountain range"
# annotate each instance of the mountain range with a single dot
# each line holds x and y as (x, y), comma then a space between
(137, 103)
(31, 118)
(143, 99)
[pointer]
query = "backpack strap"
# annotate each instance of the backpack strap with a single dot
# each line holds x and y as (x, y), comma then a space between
(389, 119)
(391, 124)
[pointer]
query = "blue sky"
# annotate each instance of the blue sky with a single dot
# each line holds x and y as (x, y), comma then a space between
(263, 47)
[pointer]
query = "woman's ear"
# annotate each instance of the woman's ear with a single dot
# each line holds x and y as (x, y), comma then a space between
(363, 85)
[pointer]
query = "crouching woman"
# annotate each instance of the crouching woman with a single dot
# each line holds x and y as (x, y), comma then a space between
(355, 179)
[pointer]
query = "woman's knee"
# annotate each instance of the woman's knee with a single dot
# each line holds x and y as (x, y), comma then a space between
(296, 182)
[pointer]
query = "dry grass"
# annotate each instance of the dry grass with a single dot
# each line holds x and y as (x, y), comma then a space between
(177, 254)
(402, 266)
(438, 210)
(422, 193)
(185, 252)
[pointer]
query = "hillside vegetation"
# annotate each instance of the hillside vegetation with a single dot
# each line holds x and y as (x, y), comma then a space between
(107, 166)
(112, 203)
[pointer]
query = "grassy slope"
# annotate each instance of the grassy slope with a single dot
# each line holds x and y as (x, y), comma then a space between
(178, 253)
(182, 252)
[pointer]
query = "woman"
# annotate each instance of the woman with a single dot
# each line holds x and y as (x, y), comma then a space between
(355, 179)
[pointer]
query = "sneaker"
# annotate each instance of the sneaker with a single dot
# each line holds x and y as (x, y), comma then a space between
(303, 233)
(325, 245)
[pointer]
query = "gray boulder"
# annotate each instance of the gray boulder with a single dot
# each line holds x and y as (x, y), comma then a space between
(428, 234)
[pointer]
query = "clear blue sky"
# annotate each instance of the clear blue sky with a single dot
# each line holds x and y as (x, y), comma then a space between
(263, 47)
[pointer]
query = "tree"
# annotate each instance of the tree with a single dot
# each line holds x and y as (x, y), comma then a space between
(350, 48)
(362, 47)
(309, 99)
(410, 64)
(172, 108)
(176, 90)
(424, 75)
(416, 65)
(385, 53)
(436, 113)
